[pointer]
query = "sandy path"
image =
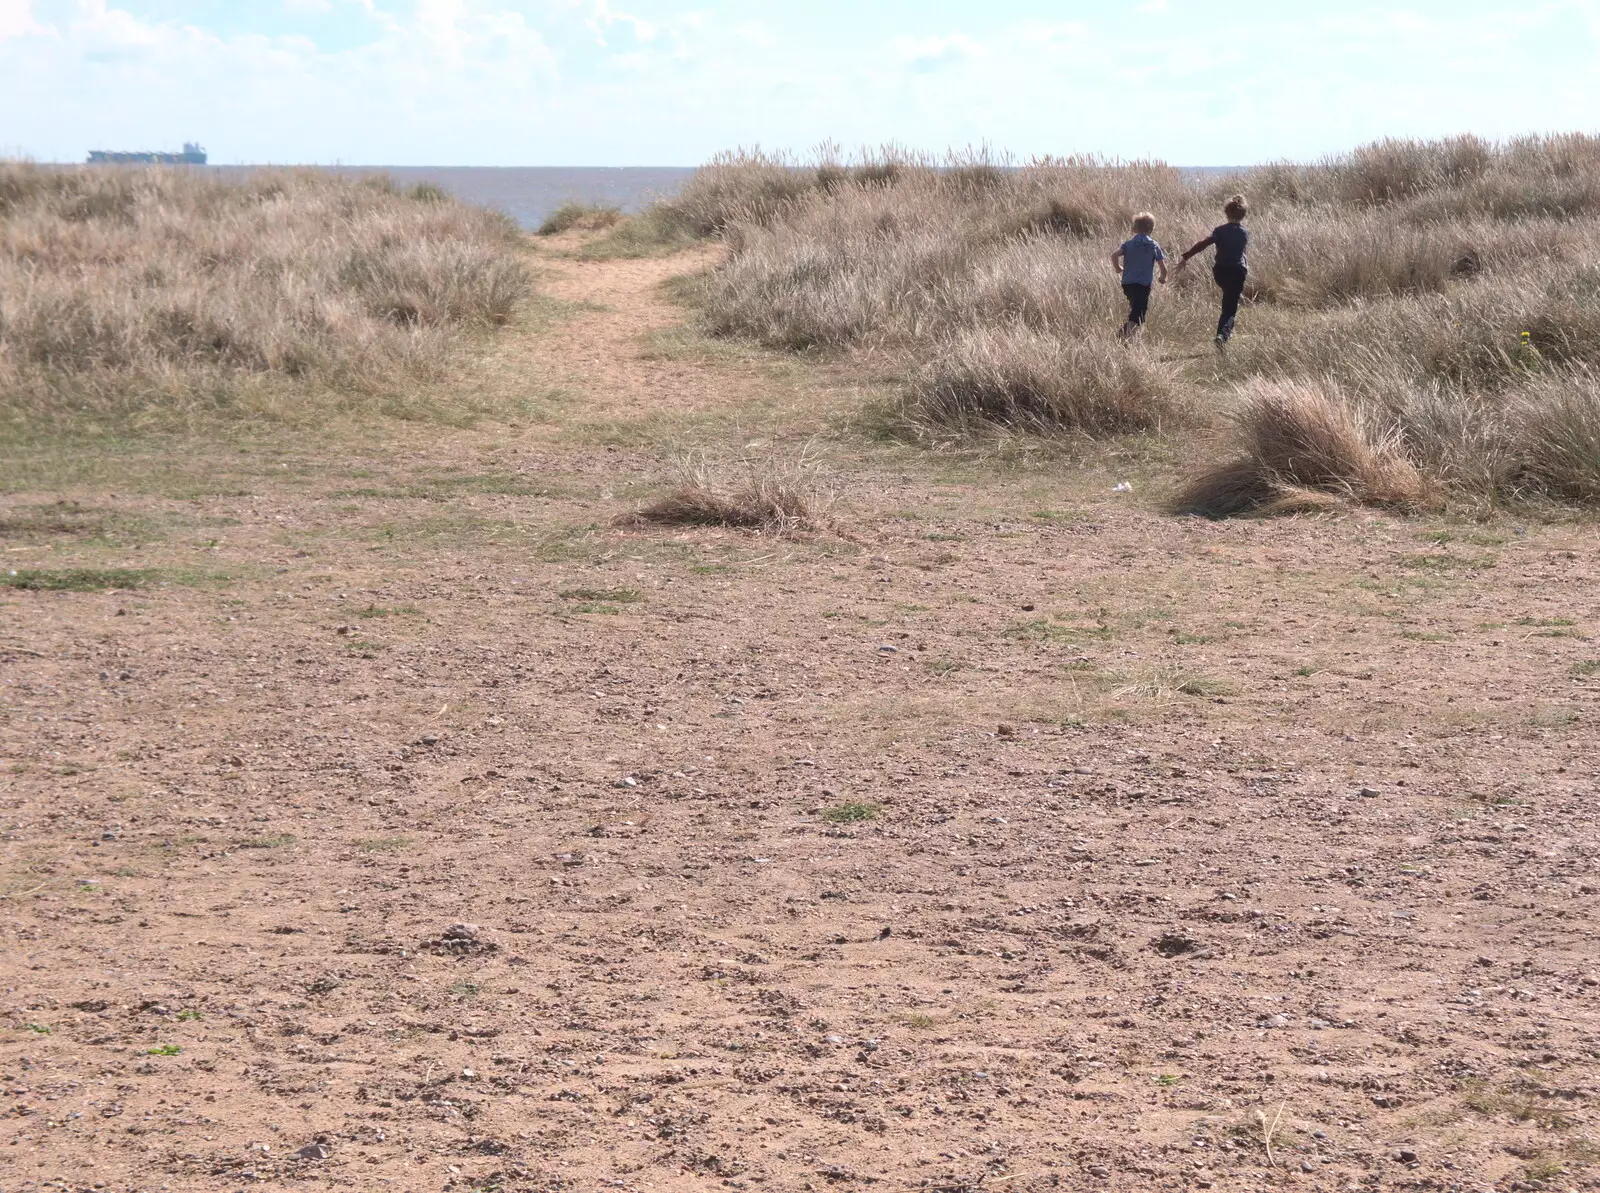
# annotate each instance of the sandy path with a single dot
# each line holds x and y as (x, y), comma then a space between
(607, 351)
(1141, 829)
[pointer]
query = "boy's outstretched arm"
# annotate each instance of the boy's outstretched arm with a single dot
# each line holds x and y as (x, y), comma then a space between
(1199, 247)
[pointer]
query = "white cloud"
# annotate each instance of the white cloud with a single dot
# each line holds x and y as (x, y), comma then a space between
(933, 53)
(582, 81)
(16, 19)
(603, 18)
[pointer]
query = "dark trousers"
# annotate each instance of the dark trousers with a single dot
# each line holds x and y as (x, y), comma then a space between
(1138, 302)
(1231, 278)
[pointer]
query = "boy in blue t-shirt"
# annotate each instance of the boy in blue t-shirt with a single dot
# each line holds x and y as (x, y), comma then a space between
(1136, 260)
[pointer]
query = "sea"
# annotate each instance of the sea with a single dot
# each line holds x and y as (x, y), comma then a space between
(527, 193)
(530, 193)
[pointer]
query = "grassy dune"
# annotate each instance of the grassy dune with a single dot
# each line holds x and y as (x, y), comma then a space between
(1428, 310)
(1422, 327)
(159, 299)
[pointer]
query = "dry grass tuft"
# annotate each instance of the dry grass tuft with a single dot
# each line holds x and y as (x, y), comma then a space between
(140, 299)
(1309, 436)
(1559, 424)
(1017, 378)
(1163, 685)
(1303, 443)
(769, 497)
(580, 217)
(1228, 490)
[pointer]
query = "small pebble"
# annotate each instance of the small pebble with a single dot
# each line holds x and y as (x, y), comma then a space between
(1369, 793)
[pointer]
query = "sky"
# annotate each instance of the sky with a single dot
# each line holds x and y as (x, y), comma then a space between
(671, 82)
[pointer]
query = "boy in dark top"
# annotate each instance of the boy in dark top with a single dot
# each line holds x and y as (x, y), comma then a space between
(1230, 269)
(1136, 260)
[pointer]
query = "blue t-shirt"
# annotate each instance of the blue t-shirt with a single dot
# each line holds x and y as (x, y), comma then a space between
(1139, 257)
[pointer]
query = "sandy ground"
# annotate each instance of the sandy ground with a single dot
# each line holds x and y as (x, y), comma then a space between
(1017, 837)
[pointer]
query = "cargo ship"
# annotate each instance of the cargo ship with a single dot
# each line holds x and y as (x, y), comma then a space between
(192, 155)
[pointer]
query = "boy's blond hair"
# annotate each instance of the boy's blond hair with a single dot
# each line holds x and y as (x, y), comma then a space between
(1236, 208)
(1144, 222)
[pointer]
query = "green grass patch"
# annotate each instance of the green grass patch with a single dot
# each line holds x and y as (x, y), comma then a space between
(385, 844)
(1555, 718)
(1444, 562)
(1476, 538)
(380, 611)
(448, 488)
(1056, 516)
(612, 596)
(569, 544)
(78, 579)
(281, 841)
(851, 813)
(1040, 629)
